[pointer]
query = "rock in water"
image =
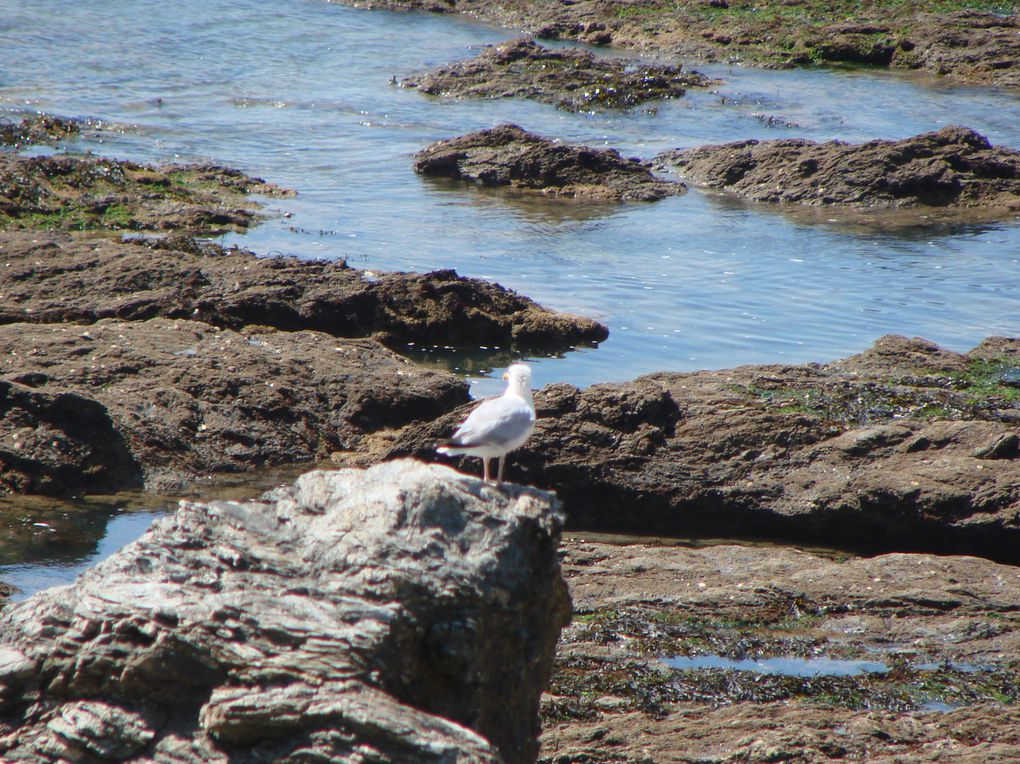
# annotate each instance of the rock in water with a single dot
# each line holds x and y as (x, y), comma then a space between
(402, 613)
(509, 156)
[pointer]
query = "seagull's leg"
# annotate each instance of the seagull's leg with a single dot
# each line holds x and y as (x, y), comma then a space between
(499, 480)
(485, 469)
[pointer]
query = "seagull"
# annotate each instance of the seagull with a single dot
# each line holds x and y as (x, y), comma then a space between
(497, 426)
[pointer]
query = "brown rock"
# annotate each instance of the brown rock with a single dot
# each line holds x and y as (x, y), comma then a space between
(952, 167)
(67, 192)
(904, 446)
(52, 278)
(511, 157)
(793, 655)
(572, 79)
(122, 403)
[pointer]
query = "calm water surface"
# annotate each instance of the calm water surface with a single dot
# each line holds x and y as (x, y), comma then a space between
(301, 95)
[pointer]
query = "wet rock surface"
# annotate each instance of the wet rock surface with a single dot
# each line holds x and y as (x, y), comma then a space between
(53, 278)
(508, 156)
(67, 192)
(900, 656)
(39, 128)
(572, 79)
(120, 404)
(905, 446)
(952, 167)
(405, 613)
(967, 44)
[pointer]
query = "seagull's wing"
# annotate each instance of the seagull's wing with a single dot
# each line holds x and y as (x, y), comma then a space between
(496, 422)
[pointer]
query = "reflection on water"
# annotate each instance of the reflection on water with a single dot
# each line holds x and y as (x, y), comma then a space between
(71, 550)
(806, 667)
(786, 666)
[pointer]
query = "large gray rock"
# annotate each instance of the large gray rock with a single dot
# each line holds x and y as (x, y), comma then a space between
(403, 613)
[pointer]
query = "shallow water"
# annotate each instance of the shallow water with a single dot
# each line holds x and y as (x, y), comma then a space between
(802, 667)
(301, 95)
(785, 666)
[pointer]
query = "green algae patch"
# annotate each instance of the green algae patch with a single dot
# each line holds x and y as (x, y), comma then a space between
(82, 193)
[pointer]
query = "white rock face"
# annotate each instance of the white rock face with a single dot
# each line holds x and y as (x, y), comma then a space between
(401, 613)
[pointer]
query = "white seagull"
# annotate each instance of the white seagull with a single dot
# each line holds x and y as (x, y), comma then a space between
(497, 426)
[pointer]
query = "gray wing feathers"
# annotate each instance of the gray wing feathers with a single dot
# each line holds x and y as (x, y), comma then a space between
(495, 422)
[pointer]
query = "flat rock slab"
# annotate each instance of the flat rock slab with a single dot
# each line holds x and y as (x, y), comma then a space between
(508, 156)
(572, 79)
(120, 404)
(404, 613)
(65, 192)
(951, 168)
(782, 654)
(906, 445)
(51, 278)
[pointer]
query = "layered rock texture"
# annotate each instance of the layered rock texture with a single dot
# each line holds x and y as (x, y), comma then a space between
(951, 167)
(905, 446)
(129, 364)
(405, 613)
(572, 79)
(508, 156)
(51, 278)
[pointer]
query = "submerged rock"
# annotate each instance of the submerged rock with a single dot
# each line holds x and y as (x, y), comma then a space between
(121, 404)
(571, 78)
(51, 278)
(951, 167)
(39, 128)
(905, 446)
(404, 613)
(511, 157)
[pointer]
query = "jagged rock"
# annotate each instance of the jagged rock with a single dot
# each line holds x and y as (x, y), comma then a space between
(119, 404)
(51, 278)
(951, 167)
(571, 78)
(905, 446)
(404, 613)
(510, 156)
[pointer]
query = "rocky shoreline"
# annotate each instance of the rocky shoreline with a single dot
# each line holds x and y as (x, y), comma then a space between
(278, 632)
(961, 43)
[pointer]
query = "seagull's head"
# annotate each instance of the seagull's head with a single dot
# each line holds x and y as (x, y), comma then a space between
(518, 377)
